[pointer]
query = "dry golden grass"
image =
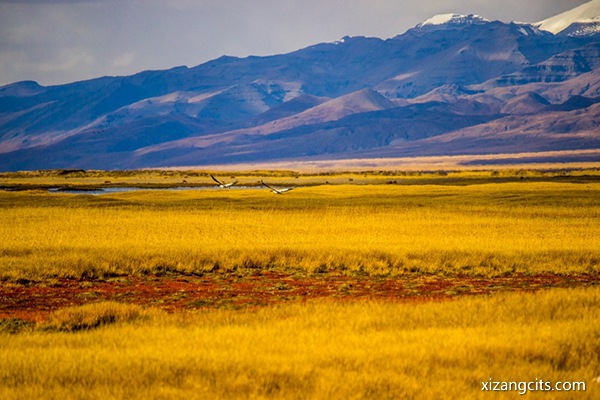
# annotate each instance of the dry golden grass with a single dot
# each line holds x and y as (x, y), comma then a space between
(322, 350)
(486, 230)
(463, 225)
(92, 316)
(441, 173)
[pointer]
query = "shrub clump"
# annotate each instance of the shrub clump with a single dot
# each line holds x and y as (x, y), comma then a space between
(91, 316)
(15, 325)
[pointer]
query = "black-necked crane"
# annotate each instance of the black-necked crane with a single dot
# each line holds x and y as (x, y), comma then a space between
(277, 191)
(223, 185)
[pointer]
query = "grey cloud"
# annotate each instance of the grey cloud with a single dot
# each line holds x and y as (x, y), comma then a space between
(49, 1)
(59, 41)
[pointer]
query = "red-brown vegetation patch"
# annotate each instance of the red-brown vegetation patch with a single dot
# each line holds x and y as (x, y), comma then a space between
(34, 301)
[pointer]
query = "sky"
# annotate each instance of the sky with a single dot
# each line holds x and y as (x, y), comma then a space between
(61, 41)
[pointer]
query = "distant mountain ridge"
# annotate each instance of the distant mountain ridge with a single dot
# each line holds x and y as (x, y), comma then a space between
(454, 84)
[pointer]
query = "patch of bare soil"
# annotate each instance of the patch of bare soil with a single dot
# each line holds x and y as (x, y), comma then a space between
(34, 301)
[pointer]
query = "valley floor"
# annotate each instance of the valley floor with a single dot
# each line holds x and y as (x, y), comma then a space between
(352, 285)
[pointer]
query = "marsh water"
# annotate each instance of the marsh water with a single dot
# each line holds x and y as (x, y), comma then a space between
(109, 190)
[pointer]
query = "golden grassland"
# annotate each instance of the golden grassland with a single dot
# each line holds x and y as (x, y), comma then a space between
(487, 229)
(176, 178)
(318, 350)
(476, 223)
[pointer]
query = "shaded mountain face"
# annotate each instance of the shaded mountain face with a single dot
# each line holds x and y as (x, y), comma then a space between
(452, 84)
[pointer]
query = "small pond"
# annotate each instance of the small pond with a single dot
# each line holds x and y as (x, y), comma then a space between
(109, 190)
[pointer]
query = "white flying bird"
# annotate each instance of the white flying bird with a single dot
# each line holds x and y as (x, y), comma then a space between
(222, 184)
(277, 191)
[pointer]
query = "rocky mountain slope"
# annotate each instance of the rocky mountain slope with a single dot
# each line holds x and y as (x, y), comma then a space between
(454, 84)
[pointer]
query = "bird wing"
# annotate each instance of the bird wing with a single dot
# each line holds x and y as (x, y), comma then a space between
(272, 188)
(278, 191)
(216, 180)
(267, 185)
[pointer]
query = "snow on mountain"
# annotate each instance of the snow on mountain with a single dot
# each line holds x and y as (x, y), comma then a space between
(584, 28)
(502, 86)
(585, 17)
(527, 29)
(453, 19)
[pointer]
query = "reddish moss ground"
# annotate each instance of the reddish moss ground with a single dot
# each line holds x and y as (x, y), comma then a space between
(34, 301)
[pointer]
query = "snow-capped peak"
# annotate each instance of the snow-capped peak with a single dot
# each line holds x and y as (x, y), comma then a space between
(342, 40)
(586, 17)
(453, 19)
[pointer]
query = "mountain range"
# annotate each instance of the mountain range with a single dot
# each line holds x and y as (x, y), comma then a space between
(452, 85)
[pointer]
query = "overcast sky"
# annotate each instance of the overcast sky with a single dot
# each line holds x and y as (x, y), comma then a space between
(61, 41)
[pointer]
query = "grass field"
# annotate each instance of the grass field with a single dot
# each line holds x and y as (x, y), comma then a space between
(487, 229)
(341, 268)
(322, 350)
